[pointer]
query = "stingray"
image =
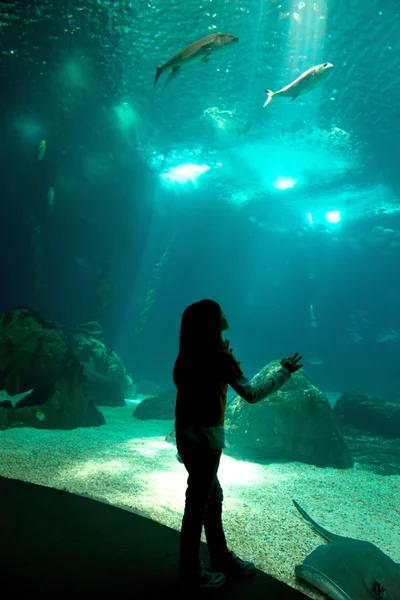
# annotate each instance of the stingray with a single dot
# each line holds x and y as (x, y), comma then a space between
(349, 569)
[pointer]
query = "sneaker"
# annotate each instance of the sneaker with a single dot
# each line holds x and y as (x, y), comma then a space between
(232, 566)
(211, 579)
(206, 579)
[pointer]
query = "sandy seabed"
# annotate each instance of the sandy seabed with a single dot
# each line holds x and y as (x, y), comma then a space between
(128, 464)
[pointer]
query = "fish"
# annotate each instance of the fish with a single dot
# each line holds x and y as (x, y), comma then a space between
(245, 129)
(197, 51)
(303, 84)
(349, 569)
(315, 360)
(92, 327)
(388, 335)
(41, 149)
(4, 396)
(50, 198)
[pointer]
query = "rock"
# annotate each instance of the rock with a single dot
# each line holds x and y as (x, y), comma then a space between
(108, 382)
(3, 419)
(34, 356)
(294, 424)
(157, 407)
(374, 453)
(368, 414)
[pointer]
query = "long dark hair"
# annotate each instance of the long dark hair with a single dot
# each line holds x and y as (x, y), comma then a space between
(201, 328)
(200, 334)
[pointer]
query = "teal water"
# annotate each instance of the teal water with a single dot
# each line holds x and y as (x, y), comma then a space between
(123, 202)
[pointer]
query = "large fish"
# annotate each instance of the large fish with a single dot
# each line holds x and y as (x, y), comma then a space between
(349, 569)
(303, 84)
(198, 51)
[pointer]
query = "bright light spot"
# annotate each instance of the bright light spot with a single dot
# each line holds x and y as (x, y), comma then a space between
(309, 218)
(284, 183)
(296, 16)
(184, 173)
(239, 198)
(126, 116)
(333, 216)
(219, 118)
(235, 472)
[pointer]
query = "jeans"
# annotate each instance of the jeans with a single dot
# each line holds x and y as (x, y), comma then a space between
(203, 506)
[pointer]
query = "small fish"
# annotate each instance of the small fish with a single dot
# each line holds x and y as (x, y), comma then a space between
(197, 51)
(51, 194)
(40, 415)
(245, 129)
(315, 360)
(13, 399)
(41, 149)
(92, 327)
(389, 335)
(303, 84)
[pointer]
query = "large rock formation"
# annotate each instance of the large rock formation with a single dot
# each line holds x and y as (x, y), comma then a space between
(294, 424)
(33, 355)
(108, 382)
(368, 414)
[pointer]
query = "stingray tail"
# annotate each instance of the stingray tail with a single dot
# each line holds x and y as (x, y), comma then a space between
(324, 532)
(270, 95)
